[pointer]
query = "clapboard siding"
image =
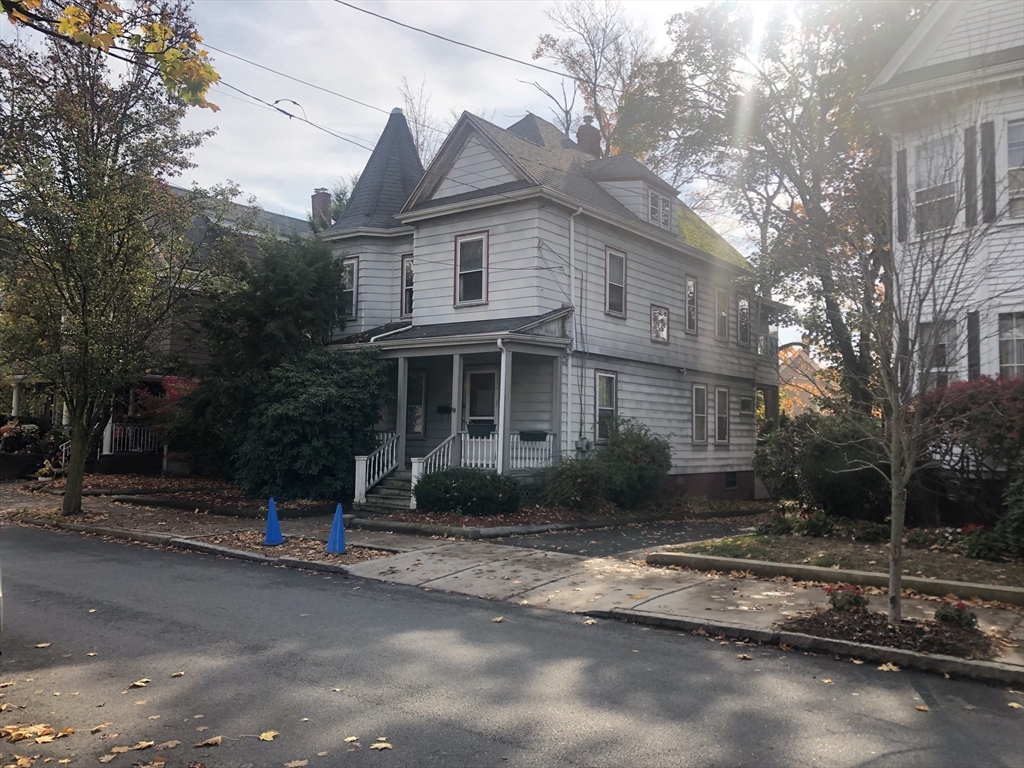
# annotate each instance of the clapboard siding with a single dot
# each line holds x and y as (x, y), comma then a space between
(477, 167)
(983, 27)
(379, 278)
(531, 393)
(631, 193)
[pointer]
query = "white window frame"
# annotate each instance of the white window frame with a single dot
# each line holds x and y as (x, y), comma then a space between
(598, 408)
(608, 254)
(721, 298)
(406, 296)
(930, 190)
(692, 318)
(699, 416)
(1011, 344)
(720, 414)
(936, 374)
(1015, 167)
(483, 237)
(353, 264)
(656, 336)
(659, 209)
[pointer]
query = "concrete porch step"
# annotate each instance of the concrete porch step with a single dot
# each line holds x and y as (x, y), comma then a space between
(379, 506)
(389, 493)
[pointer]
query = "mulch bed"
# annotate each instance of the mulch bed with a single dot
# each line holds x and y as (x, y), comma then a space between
(525, 516)
(911, 635)
(294, 546)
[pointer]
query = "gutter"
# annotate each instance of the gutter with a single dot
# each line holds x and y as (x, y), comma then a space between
(387, 333)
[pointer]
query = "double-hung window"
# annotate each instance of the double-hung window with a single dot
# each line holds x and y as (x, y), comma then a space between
(721, 313)
(407, 281)
(691, 304)
(615, 284)
(1015, 166)
(659, 324)
(937, 351)
(1011, 344)
(471, 268)
(743, 320)
(721, 415)
(349, 287)
(700, 413)
(607, 403)
(659, 210)
(935, 191)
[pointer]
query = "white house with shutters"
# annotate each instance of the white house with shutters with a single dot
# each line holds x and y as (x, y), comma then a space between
(952, 100)
(461, 274)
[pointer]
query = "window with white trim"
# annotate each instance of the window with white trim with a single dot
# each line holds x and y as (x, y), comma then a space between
(1015, 166)
(721, 415)
(721, 313)
(407, 283)
(349, 287)
(471, 269)
(691, 304)
(935, 190)
(659, 324)
(615, 283)
(659, 209)
(937, 352)
(746, 405)
(743, 320)
(700, 413)
(606, 403)
(1011, 344)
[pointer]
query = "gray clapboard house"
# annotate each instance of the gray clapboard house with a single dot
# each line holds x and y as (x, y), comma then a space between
(460, 273)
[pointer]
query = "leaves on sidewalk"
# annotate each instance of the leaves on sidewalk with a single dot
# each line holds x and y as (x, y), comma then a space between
(497, 619)
(1014, 704)
(590, 622)
(43, 645)
(889, 667)
(922, 708)
(350, 739)
(381, 745)
(296, 764)
(100, 727)
(168, 744)
(268, 735)
(743, 657)
(178, 674)
(211, 742)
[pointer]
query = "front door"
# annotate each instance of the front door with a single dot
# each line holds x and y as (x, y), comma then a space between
(481, 408)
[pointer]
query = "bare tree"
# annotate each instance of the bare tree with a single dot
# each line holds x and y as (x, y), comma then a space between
(608, 57)
(427, 131)
(564, 109)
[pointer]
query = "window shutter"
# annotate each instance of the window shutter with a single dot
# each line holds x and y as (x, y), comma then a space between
(901, 195)
(988, 171)
(970, 176)
(973, 346)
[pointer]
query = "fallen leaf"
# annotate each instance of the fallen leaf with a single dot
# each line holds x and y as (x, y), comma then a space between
(120, 750)
(92, 610)
(65, 732)
(382, 738)
(43, 645)
(268, 735)
(336, 690)
(322, 754)
(8, 684)
(45, 739)
(197, 717)
(922, 708)
(64, 761)
(178, 674)
(202, 728)
(857, 661)
(211, 742)
(743, 657)
(296, 764)
(590, 622)
(969, 706)
(107, 758)
(497, 619)
(350, 739)
(140, 702)
(1014, 704)
(827, 681)
(303, 719)
(144, 745)
(154, 717)
(888, 667)
(168, 744)
(381, 745)
(639, 596)
(140, 683)
(91, 654)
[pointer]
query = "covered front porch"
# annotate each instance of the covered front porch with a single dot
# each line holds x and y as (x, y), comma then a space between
(493, 406)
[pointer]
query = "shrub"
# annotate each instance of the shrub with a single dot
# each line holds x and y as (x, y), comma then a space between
(843, 598)
(957, 614)
(817, 524)
(575, 483)
(921, 537)
(468, 492)
(983, 545)
(1010, 528)
(635, 463)
(872, 533)
(778, 524)
(775, 460)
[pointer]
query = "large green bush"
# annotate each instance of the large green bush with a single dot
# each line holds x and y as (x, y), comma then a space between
(775, 459)
(635, 463)
(575, 483)
(309, 419)
(1010, 528)
(468, 492)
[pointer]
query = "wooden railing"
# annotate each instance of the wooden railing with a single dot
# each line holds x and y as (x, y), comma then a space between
(438, 459)
(371, 469)
(383, 437)
(480, 452)
(524, 454)
(132, 438)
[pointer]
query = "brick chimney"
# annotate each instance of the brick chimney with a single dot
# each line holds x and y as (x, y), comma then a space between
(588, 137)
(321, 207)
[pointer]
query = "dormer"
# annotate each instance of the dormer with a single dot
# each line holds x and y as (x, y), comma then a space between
(638, 188)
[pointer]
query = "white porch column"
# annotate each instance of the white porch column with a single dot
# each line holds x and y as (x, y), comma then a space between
(16, 400)
(457, 410)
(504, 408)
(108, 436)
(65, 418)
(556, 406)
(402, 415)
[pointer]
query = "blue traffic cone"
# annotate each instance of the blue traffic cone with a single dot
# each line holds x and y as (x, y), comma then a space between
(273, 537)
(336, 541)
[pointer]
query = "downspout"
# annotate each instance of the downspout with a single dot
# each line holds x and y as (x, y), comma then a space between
(572, 335)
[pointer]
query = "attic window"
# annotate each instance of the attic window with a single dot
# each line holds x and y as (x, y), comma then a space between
(659, 210)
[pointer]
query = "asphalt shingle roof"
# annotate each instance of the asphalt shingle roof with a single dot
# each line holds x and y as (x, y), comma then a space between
(392, 172)
(441, 330)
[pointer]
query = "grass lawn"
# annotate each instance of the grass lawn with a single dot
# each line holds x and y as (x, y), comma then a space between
(829, 553)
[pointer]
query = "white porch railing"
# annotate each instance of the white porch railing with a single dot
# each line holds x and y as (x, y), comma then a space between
(65, 454)
(371, 469)
(525, 454)
(383, 437)
(438, 459)
(132, 438)
(480, 452)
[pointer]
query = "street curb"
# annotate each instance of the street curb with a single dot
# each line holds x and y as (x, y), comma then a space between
(934, 587)
(970, 669)
(216, 549)
(283, 512)
(113, 533)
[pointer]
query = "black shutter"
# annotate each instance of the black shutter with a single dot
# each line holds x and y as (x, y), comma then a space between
(973, 346)
(971, 176)
(988, 171)
(901, 195)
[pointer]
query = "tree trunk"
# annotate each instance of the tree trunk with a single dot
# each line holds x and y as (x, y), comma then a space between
(80, 440)
(897, 508)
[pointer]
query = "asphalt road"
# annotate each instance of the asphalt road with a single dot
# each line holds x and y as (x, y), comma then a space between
(264, 648)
